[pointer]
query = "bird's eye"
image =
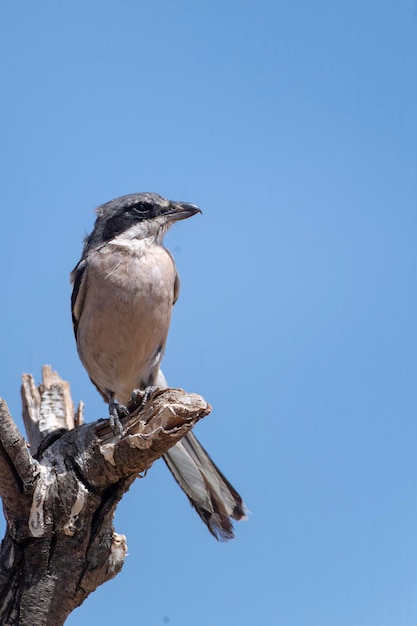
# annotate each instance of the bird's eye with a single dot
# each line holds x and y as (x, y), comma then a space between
(141, 209)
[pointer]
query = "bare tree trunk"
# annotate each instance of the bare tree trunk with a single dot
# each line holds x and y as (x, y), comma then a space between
(60, 497)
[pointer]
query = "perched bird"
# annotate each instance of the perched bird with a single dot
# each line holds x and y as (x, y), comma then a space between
(124, 288)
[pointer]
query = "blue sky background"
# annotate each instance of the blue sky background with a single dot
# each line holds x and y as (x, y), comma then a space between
(294, 126)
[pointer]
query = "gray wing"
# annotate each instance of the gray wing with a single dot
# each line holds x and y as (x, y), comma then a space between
(78, 280)
(78, 292)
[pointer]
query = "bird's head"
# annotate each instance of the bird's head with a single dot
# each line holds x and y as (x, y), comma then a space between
(138, 216)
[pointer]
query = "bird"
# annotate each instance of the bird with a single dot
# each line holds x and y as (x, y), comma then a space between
(124, 288)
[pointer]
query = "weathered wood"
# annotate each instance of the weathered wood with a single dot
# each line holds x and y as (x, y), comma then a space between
(60, 543)
(47, 408)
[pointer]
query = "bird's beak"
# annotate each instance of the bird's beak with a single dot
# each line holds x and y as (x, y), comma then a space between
(181, 210)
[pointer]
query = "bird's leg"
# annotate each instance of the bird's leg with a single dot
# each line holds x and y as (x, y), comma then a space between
(116, 411)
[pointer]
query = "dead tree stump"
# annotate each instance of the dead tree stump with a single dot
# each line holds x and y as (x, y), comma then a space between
(60, 493)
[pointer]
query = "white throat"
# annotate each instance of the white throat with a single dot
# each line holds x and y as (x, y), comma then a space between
(142, 234)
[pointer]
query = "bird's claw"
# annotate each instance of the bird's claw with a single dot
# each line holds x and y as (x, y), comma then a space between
(140, 398)
(116, 411)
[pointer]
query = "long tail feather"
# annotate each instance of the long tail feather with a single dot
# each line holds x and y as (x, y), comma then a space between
(209, 492)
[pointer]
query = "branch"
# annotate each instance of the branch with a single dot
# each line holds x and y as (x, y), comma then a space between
(47, 408)
(63, 503)
(18, 470)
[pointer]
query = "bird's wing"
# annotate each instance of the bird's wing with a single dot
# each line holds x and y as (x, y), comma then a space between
(177, 282)
(77, 277)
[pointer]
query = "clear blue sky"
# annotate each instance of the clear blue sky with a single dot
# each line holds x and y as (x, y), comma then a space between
(294, 126)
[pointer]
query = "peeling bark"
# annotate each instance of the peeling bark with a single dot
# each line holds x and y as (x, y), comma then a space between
(60, 497)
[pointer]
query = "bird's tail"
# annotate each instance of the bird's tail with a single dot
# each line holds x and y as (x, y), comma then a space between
(209, 492)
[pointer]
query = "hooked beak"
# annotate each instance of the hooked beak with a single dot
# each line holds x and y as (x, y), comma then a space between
(181, 210)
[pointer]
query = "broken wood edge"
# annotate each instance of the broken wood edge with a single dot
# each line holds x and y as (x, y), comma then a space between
(47, 407)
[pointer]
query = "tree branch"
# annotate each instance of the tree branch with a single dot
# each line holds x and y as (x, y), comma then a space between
(61, 506)
(18, 470)
(47, 408)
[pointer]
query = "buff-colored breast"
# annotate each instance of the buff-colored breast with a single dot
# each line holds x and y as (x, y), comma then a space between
(125, 317)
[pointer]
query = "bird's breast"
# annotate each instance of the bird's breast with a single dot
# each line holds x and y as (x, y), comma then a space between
(126, 314)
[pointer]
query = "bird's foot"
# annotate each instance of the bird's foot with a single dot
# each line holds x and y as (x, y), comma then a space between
(116, 411)
(140, 398)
